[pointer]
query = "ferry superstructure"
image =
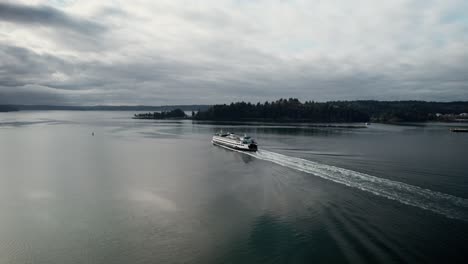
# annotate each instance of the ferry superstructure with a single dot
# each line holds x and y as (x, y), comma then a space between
(234, 141)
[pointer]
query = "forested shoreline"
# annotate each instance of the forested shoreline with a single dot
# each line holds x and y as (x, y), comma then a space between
(173, 114)
(293, 110)
(285, 110)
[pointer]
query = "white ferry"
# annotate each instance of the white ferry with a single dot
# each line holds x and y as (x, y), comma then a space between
(234, 141)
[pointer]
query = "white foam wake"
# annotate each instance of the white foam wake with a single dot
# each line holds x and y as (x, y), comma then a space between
(445, 204)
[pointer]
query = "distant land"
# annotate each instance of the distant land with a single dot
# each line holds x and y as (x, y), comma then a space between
(7, 108)
(290, 110)
(4, 108)
(293, 110)
(173, 114)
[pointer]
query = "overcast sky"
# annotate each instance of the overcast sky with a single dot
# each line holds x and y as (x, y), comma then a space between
(157, 52)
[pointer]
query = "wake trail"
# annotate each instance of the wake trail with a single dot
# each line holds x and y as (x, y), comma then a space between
(444, 204)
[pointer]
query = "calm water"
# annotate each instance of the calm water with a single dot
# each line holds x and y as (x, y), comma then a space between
(143, 191)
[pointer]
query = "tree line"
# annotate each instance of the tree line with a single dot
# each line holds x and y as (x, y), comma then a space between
(334, 111)
(173, 114)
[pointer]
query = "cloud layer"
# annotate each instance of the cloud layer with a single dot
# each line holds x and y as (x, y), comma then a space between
(183, 52)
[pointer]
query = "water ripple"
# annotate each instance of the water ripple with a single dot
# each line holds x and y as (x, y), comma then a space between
(444, 204)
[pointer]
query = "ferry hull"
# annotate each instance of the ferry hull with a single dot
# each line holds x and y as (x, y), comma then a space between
(232, 145)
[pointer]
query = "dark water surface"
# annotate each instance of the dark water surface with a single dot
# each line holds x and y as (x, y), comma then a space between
(142, 191)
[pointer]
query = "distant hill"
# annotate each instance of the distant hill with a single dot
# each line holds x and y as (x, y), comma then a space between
(7, 108)
(108, 107)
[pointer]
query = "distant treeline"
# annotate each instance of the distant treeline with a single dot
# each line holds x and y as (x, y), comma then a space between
(174, 114)
(7, 108)
(335, 111)
(109, 107)
(409, 111)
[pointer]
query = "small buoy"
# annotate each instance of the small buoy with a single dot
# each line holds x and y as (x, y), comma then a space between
(92, 133)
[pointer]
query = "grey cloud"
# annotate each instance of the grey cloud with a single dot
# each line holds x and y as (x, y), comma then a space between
(30, 94)
(167, 81)
(171, 53)
(242, 74)
(49, 17)
(20, 66)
